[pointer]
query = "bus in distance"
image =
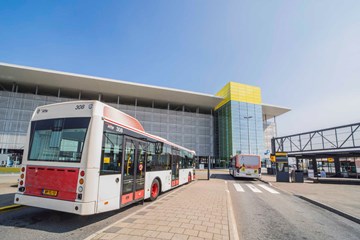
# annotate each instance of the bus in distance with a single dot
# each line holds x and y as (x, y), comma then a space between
(86, 157)
(245, 166)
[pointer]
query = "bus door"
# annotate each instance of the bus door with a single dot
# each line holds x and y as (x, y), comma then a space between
(175, 167)
(110, 171)
(133, 183)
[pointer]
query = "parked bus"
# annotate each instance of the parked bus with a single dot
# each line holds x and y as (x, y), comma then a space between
(245, 166)
(86, 157)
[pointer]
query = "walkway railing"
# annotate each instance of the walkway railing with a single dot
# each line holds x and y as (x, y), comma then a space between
(337, 138)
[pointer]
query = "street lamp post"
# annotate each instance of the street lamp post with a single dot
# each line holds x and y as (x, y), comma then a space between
(248, 129)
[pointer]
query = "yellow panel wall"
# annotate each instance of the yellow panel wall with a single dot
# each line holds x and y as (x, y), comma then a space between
(239, 92)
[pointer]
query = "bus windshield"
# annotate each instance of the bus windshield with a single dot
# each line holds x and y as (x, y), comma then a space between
(59, 140)
(249, 160)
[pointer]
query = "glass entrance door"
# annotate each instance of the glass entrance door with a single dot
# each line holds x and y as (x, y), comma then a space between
(133, 183)
(175, 167)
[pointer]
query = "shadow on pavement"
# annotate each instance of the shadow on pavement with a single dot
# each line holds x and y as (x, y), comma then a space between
(224, 176)
(227, 176)
(52, 221)
(55, 221)
(6, 199)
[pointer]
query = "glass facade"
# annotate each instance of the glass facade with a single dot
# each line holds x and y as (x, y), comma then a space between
(269, 133)
(239, 123)
(239, 129)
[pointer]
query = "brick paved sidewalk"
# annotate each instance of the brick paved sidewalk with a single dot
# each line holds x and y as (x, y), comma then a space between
(196, 211)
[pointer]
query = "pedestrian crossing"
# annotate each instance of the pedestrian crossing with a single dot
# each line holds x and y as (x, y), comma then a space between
(238, 188)
(254, 188)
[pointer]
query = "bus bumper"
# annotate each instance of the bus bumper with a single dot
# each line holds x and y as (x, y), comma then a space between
(79, 208)
(244, 175)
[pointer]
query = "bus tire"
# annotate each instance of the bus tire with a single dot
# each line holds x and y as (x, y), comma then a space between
(154, 190)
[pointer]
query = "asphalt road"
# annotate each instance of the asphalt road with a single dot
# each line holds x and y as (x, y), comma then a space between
(36, 223)
(268, 213)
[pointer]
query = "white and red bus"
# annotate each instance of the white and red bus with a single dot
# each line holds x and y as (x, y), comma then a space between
(85, 157)
(245, 166)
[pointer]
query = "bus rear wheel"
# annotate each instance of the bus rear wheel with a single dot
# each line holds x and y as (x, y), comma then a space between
(155, 189)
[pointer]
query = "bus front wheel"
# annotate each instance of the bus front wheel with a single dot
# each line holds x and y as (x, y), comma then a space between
(155, 189)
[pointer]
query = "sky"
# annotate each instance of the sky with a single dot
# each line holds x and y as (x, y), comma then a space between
(304, 55)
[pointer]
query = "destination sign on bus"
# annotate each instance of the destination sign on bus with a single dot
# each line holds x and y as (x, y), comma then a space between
(113, 128)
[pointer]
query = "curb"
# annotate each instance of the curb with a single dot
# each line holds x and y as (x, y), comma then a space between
(9, 207)
(269, 183)
(340, 213)
(331, 209)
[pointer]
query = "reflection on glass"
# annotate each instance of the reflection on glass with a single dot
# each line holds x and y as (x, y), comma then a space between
(60, 140)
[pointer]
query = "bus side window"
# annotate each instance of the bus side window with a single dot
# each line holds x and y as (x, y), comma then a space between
(150, 158)
(111, 154)
(166, 159)
(182, 159)
(158, 162)
(187, 162)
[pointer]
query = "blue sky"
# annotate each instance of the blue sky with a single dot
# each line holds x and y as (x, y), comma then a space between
(303, 54)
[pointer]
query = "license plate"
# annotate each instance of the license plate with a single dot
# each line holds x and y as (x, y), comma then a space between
(52, 193)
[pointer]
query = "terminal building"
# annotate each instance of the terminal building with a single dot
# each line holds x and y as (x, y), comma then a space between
(233, 121)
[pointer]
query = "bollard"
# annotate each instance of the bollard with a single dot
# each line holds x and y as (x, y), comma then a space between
(208, 168)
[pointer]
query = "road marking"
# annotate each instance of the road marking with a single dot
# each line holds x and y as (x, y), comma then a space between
(268, 189)
(233, 232)
(238, 187)
(253, 188)
(9, 207)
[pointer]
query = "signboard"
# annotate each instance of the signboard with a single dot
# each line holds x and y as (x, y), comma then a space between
(279, 157)
(281, 154)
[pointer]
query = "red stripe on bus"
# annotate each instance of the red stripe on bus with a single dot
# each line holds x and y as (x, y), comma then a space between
(123, 117)
(139, 194)
(127, 198)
